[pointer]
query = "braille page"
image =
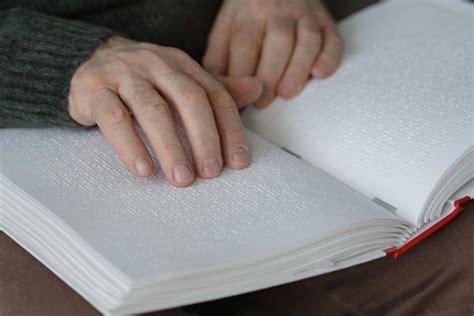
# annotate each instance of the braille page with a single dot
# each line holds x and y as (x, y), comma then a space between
(145, 227)
(397, 113)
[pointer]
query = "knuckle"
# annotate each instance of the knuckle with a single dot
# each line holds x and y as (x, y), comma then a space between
(194, 94)
(77, 113)
(241, 26)
(111, 116)
(98, 75)
(243, 38)
(221, 98)
(86, 76)
(246, 46)
(118, 63)
(145, 45)
(141, 93)
(148, 54)
(282, 26)
(171, 147)
(310, 34)
(178, 53)
(124, 142)
(155, 111)
(282, 33)
(106, 63)
(193, 68)
(139, 54)
(127, 60)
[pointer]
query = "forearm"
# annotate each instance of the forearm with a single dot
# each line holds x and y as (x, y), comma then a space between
(38, 56)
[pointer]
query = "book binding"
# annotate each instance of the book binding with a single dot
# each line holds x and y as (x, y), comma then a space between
(395, 252)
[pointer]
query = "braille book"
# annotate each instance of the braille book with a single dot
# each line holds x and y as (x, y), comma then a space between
(359, 166)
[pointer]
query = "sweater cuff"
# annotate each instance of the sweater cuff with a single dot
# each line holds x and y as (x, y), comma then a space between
(38, 57)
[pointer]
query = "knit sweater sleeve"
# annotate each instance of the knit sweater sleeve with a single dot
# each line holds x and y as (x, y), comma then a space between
(38, 56)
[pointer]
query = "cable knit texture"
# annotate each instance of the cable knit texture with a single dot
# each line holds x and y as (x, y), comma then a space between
(38, 56)
(42, 43)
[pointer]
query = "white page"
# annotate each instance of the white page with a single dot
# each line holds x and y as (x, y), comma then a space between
(396, 114)
(146, 227)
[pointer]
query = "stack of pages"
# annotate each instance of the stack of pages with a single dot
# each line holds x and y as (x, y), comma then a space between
(358, 164)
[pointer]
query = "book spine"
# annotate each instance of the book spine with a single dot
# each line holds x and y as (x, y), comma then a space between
(397, 252)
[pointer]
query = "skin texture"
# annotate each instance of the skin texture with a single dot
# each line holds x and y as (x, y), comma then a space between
(124, 78)
(257, 49)
(281, 42)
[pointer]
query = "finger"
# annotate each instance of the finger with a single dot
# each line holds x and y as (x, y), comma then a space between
(229, 124)
(245, 47)
(156, 120)
(192, 105)
(244, 90)
(217, 52)
(276, 52)
(308, 44)
(330, 56)
(115, 123)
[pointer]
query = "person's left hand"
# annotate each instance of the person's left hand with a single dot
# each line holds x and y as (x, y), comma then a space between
(281, 42)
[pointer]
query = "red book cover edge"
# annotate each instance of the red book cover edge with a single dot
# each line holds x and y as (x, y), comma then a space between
(395, 252)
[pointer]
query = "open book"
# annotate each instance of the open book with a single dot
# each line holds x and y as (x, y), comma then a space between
(360, 165)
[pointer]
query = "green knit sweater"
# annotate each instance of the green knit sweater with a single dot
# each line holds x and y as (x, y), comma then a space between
(42, 43)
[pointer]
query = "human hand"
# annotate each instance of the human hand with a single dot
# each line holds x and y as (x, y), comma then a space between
(281, 42)
(124, 78)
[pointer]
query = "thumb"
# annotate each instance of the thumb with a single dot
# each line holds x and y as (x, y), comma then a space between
(244, 90)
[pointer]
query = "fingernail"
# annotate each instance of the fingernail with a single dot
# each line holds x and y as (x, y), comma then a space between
(289, 89)
(241, 156)
(266, 98)
(143, 166)
(320, 72)
(211, 167)
(183, 173)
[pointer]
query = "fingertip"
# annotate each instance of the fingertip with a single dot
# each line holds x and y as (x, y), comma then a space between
(320, 72)
(239, 158)
(180, 185)
(182, 176)
(265, 99)
(262, 104)
(143, 167)
(288, 89)
(211, 168)
(256, 86)
(326, 65)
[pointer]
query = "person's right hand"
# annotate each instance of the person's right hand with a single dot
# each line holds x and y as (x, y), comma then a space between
(124, 77)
